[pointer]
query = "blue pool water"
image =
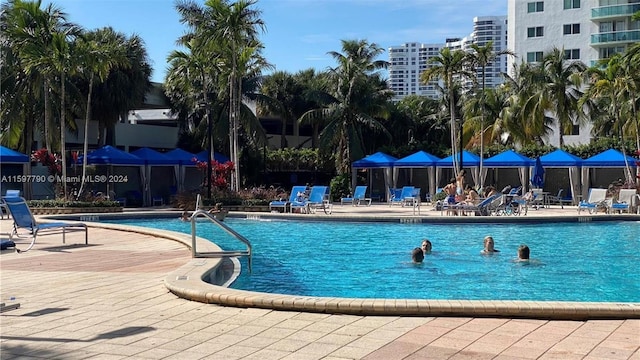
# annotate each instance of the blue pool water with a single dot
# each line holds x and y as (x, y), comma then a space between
(595, 261)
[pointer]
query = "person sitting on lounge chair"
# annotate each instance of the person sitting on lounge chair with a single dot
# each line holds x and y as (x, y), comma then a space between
(472, 196)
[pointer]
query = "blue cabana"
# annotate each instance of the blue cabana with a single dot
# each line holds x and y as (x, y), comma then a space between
(130, 166)
(510, 160)
(608, 159)
(161, 168)
(562, 159)
(419, 160)
(378, 160)
(204, 156)
(181, 157)
(9, 156)
(469, 160)
(14, 163)
(189, 176)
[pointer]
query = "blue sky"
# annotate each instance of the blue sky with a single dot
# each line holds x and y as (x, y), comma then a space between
(299, 33)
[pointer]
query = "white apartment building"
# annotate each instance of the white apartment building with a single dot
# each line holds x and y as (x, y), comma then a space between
(587, 30)
(409, 60)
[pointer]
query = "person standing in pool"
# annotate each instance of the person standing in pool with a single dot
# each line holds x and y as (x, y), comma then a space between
(417, 255)
(489, 246)
(426, 246)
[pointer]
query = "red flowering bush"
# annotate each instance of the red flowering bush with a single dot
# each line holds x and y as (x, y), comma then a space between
(220, 173)
(52, 161)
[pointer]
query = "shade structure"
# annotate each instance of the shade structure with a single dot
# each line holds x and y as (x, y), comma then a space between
(469, 160)
(9, 156)
(16, 163)
(419, 160)
(111, 156)
(611, 159)
(204, 156)
(562, 159)
(510, 159)
(186, 166)
(157, 164)
(378, 160)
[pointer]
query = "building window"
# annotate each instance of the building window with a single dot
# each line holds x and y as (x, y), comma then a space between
(535, 31)
(572, 4)
(535, 6)
(534, 56)
(572, 54)
(575, 130)
(569, 29)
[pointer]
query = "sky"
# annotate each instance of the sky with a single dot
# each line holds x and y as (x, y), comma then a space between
(299, 33)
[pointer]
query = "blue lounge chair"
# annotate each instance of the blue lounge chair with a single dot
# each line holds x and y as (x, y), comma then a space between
(623, 203)
(23, 218)
(596, 199)
(359, 196)
(284, 204)
(406, 192)
(3, 206)
(318, 198)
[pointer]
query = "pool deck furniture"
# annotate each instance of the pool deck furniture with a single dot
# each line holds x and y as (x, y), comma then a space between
(596, 200)
(623, 203)
(23, 219)
(293, 196)
(359, 196)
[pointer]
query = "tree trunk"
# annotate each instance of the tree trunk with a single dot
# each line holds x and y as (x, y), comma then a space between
(63, 130)
(47, 116)
(85, 145)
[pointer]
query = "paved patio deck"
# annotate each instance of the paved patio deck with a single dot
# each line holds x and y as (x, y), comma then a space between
(108, 301)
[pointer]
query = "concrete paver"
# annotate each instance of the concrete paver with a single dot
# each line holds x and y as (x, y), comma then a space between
(108, 301)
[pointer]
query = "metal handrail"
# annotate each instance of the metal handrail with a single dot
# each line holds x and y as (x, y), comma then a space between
(202, 213)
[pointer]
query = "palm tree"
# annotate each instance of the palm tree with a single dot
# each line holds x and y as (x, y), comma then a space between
(282, 98)
(450, 67)
(559, 92)
(355, 102)
(98, 53)
(483, 56)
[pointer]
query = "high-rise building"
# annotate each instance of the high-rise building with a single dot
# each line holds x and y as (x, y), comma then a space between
(409, 60)
(587, 31)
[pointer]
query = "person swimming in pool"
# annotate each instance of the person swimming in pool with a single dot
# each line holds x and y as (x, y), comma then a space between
(417, 255)
(489, 246)
(523, 253)
(426, 246)
(185, 216)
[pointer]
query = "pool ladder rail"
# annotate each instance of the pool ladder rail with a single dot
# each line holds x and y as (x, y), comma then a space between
(217, 254)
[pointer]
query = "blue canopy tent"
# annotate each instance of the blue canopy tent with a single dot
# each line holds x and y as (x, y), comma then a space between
(204, 156)
(378, 160)
(471, 161)
(13, 163)
(562, 159)
(510, 159)
(420, 160)
(609, 159)
(186, 163)
(157, 164)
(123, 180)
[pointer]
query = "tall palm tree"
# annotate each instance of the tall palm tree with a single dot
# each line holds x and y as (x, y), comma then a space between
(450, 67)
(481, 57)
(281, 97)
(355, 103)
(231, 30)
(98, 52)
(559, 92)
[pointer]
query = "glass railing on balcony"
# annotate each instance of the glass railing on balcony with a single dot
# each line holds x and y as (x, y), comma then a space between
(616, 10)
(618, 36)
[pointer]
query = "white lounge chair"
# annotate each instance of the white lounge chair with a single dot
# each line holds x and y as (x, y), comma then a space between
(596, 200)
(625, 197)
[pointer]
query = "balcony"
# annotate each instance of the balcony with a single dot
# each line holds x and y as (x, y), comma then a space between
(617, 37)
(614, 11)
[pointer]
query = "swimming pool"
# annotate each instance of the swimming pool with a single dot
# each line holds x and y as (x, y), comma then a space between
(594, 262)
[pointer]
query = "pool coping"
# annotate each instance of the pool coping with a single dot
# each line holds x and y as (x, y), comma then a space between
(188, 282)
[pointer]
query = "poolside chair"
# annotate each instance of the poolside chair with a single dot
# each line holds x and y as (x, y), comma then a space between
(624, 201)
(359, 196)
(405, 192)
(3, 206)
(560, 199)
(284, 204)
(318, 199)
(23, 218)
(596, 200)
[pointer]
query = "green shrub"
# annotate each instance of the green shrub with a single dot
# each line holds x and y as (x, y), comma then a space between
(71, 204)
